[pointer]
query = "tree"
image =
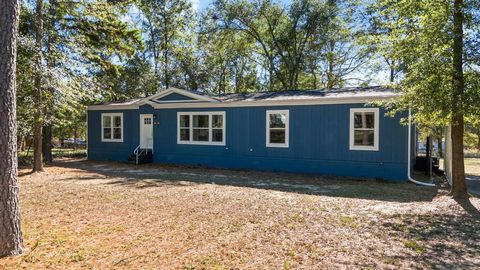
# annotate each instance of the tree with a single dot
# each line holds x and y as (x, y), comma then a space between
(38, 122)
(166, 24)
(428, 39)
(11, 242)
(75, 55)
(459, 184)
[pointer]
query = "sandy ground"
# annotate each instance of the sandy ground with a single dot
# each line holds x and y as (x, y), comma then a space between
(101, 215)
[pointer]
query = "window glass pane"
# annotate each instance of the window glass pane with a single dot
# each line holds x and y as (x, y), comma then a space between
(184, 134)
(184, 120)
(117, 133)
(107, 121)
(147, 121)
(278, 120)
(217, 121)
(200, 135)
(107, 133)
(364, 137)
(277, 136)
(217, 135)
(364, 119)
(117, 121)
(200, 121)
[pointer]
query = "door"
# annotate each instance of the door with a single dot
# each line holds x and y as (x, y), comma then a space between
(146, 131)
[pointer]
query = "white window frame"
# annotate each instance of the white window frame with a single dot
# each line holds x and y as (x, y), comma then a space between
(376, 129)
(287, 128)
(210, 124)
(112, 115)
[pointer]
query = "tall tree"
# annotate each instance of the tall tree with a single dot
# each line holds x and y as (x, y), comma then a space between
(38, 124)
(166, 24)
(11, 242)
(282, 36)
(439, 73)
(459, 184)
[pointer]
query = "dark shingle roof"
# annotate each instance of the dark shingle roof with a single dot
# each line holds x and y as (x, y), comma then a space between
(372, 92)
(347, 92)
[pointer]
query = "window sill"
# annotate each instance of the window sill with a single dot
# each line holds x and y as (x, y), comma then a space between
(273, 145)
(363, 148)
(202, 143)
(112, 140)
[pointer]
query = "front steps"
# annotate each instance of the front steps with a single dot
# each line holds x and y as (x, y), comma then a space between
(145, 156)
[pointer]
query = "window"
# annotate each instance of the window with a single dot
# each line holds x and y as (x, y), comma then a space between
(112, 127)
(201, 128)
(364, 129)
(277, 128)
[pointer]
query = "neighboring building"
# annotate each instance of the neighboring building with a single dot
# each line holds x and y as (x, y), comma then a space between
(328, 132)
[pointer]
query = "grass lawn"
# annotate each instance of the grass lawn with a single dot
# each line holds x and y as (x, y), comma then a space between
(101, 215)
(472, 166)
(57, 152)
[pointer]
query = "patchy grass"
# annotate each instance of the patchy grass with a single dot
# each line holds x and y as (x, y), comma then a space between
(472, 166)
(415, 246)
(102, 215)
(58, 153)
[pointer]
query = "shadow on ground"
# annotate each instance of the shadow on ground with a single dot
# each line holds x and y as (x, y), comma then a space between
(155, 175)
(437, 238)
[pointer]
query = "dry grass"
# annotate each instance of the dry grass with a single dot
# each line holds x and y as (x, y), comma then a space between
(472, 166)
(96, 215)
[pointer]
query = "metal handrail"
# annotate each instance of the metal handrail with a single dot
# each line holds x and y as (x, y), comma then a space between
(138, 151)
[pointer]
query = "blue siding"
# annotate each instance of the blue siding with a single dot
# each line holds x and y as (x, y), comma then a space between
(319, 142)
(175, 97)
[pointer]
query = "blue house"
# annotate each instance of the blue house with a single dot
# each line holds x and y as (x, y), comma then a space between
(326, 132)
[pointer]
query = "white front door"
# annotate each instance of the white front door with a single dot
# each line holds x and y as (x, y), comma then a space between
(146, 131)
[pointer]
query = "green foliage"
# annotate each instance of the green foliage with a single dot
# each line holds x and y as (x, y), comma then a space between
(82, 46)
(419, 35)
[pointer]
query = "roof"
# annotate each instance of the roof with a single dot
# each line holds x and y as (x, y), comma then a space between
(288, 97)
(127, 102)
(348, 92)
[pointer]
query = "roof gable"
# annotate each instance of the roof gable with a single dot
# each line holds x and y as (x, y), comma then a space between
(172, 95)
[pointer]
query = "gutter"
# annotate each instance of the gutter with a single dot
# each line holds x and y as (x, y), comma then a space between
(409, 160)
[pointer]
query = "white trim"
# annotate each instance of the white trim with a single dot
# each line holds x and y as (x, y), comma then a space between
(261, 103)
(112, 115)
(210, 142)
(177, 101)
(287, 128)
(228, 104)
(142, 119)
(111, 107)
(376, 129)
(172, 90)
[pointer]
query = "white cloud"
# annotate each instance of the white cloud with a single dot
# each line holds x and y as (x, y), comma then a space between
(195, 4)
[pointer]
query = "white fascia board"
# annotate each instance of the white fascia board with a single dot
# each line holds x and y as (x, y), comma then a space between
(172, 90)
(262, 103)
(111, 107)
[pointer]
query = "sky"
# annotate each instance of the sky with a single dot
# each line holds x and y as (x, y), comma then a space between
(202, 4)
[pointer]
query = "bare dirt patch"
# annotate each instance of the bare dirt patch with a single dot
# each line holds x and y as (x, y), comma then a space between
(102, 215)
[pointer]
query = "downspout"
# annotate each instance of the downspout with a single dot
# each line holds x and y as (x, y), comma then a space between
(409, 154)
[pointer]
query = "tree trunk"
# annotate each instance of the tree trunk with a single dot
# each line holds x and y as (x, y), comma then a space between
(165, 53)
(11, 242)
(440, 147)
(38, 124)
(51, 40)
(47, 141)
(392, 72)
(459, 184)
(75, 140)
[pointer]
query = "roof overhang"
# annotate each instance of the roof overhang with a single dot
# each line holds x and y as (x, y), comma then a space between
(263, 103)
(212, 103)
